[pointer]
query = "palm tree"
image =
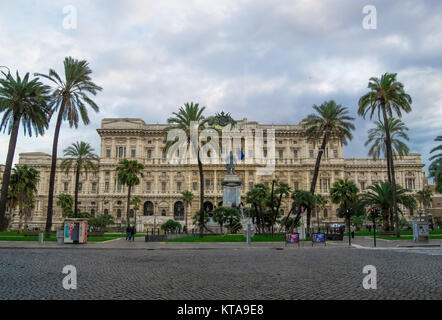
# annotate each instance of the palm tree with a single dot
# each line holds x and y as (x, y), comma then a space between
(23, 184)
(302, 200)
(424, 198)
(331, 122)
(435, 167)
(70, 100)
(136, 202)
(258, 197)
(187, 197)
(345, 193)
(182, 120)
(386, 97)
(276, 197)
(21, 100)
(377, 139)
(66, 202)
(320, 203)
(380, 195)
(128, 172)
(81, 157)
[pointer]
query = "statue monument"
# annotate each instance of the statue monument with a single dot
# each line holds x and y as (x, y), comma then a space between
(231, 185)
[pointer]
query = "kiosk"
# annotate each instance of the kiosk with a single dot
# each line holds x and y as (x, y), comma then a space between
(75, 231)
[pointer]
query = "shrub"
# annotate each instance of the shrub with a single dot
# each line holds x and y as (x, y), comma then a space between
(171, 226)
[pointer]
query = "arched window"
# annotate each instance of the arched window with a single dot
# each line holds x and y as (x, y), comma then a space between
(178, 211)
(148, 208)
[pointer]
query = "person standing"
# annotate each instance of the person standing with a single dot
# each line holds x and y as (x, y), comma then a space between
(352, 228)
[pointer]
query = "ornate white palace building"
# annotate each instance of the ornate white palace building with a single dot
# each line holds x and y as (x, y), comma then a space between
(161, 186)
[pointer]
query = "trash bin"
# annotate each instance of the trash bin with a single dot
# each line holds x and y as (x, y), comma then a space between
(60, 236)
(41, 237)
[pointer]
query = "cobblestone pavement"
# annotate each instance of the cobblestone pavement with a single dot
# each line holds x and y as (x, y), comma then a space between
(234, 274)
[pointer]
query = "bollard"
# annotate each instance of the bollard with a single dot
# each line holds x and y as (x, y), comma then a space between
(40, 237)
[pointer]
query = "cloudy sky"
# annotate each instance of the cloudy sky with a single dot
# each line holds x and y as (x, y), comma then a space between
(268, 61)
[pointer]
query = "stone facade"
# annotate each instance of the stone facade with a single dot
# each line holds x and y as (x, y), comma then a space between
(160, 188)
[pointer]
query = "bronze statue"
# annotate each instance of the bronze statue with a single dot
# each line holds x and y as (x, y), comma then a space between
(230, 165)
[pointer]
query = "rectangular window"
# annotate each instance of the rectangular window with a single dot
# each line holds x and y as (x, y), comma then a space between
(149, 154)
(295, 153)
(195, 186)
(94, 186)
(80, 187)
(148, 186)
(265, 153)
(121, 152)
(108, 153)
(207, 183)
(410, 184)
(133, 153)
(335, 153)
(311, 153)
(250, 185)
(362, 186)
(106, 186)
(163, 186)
(281, 154)
(164, 154)
(325, 185)
(66, 186)
(178, 186)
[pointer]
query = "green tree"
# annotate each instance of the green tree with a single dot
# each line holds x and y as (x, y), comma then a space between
(101, 222)
(331, 121)
(302, 202)
(377, 140)
(345, 193)
(435, 167)
(187, 197)
(66, 202)
(386, 98)
(23, 184)
(196, 218)
(70, 100)
(258, 198)
(128, 175)
(279, 191)
(24, 101)
(81, 157)
(380, 195)
(424, 198)
(171, 226)
(220, 216)
(183, 119)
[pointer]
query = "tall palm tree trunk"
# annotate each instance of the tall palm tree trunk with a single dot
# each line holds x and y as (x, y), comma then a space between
(390, 159)
(7, 172)
(390, 210)
(53, 169)
(77, 180)
(128, 204)
(315, 177)
(200, 168)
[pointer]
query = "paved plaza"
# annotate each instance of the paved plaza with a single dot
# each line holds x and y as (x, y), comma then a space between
(122, 270)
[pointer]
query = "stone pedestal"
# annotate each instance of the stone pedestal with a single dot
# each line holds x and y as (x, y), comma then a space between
(231, 191)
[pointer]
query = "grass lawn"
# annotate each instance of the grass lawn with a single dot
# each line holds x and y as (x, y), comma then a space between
(15, 236)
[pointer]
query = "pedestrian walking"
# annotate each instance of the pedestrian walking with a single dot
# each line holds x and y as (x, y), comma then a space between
(128, 232)
(352, 228)
(133, 233)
